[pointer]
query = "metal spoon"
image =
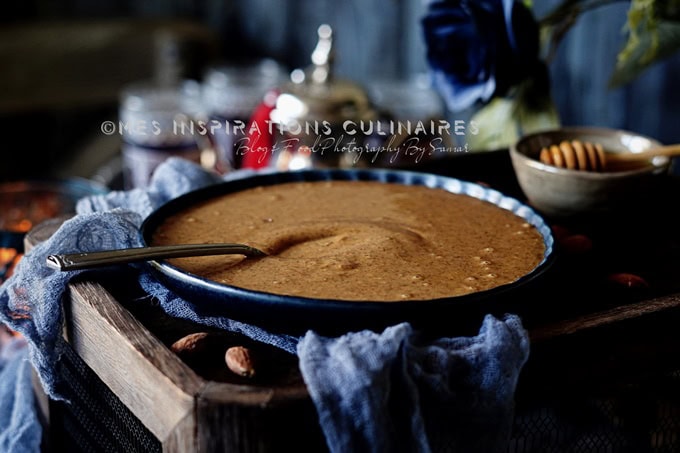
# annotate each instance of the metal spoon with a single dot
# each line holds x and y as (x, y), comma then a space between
(76, 261)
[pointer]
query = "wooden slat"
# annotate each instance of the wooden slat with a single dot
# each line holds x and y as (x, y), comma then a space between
(183, 437)
(250, 395)
(606, 317)
(291, 425)
(148, 378)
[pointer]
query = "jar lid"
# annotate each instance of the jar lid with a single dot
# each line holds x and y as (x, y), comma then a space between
(314, 95)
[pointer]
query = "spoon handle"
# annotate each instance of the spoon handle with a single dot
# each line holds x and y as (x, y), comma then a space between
(75, 261)
(669, 151)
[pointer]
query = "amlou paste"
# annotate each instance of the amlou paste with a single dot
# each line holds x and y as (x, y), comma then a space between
(362, 241)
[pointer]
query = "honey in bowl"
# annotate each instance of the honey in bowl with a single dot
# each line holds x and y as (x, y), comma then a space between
(357, 241)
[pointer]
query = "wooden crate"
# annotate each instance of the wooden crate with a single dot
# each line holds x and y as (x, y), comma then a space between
(182, 409)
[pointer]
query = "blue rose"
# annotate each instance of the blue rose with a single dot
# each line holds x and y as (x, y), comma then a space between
(478, 49)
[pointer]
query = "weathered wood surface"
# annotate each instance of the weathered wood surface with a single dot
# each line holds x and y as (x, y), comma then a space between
(146, 376)
(606, 317)
(183, 410)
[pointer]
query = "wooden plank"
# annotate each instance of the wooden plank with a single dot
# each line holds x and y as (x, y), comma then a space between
(42, 404)
(606, 317)
(217, 392)
(291, 425)
(147, 377)
(183, 437)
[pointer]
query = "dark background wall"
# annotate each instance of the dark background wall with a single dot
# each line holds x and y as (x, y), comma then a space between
(374, 39)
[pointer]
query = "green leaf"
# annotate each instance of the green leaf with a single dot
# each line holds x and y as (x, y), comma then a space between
(531, 120)
(649, 48)
(495, 124)
(504, 120)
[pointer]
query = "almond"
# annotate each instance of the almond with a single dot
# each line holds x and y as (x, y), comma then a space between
(576, 244)
(240, 361)
(559, 232)
(626, 280)
(190, 344)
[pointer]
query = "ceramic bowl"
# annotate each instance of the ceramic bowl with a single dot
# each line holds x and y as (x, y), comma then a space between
(558, 192)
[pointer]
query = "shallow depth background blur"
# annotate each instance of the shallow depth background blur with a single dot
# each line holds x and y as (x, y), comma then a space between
(63, 64)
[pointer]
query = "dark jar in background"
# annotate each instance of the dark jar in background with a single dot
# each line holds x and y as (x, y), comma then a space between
(411, 109)
(231, 93)
(157, 122)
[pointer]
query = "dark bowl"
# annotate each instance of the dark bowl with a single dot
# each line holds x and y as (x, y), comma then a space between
(24, 204)
(297, 314)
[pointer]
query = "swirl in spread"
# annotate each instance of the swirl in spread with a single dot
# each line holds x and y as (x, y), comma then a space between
(360, 241)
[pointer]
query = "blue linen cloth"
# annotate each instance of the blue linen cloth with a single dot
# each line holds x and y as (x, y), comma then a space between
(20, 430)
(389, 391)
(393, 392)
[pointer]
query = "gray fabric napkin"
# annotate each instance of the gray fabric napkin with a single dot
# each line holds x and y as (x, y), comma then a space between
(389, 391)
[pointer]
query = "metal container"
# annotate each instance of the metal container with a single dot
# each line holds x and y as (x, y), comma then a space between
(320, 121)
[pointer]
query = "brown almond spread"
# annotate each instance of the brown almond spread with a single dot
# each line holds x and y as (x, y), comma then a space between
(360, 241)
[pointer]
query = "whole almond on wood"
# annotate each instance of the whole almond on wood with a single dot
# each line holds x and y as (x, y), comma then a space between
(190, 344)
(240, 361)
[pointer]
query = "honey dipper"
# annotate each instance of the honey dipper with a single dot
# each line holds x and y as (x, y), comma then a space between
(577, 155)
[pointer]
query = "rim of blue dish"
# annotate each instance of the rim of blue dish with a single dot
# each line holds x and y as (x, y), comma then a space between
(220, 290)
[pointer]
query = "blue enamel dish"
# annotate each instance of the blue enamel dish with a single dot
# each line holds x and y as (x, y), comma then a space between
(298, 314)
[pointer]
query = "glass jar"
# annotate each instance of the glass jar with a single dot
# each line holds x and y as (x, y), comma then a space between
(413, 106)
(157, 122)
(231, 93)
